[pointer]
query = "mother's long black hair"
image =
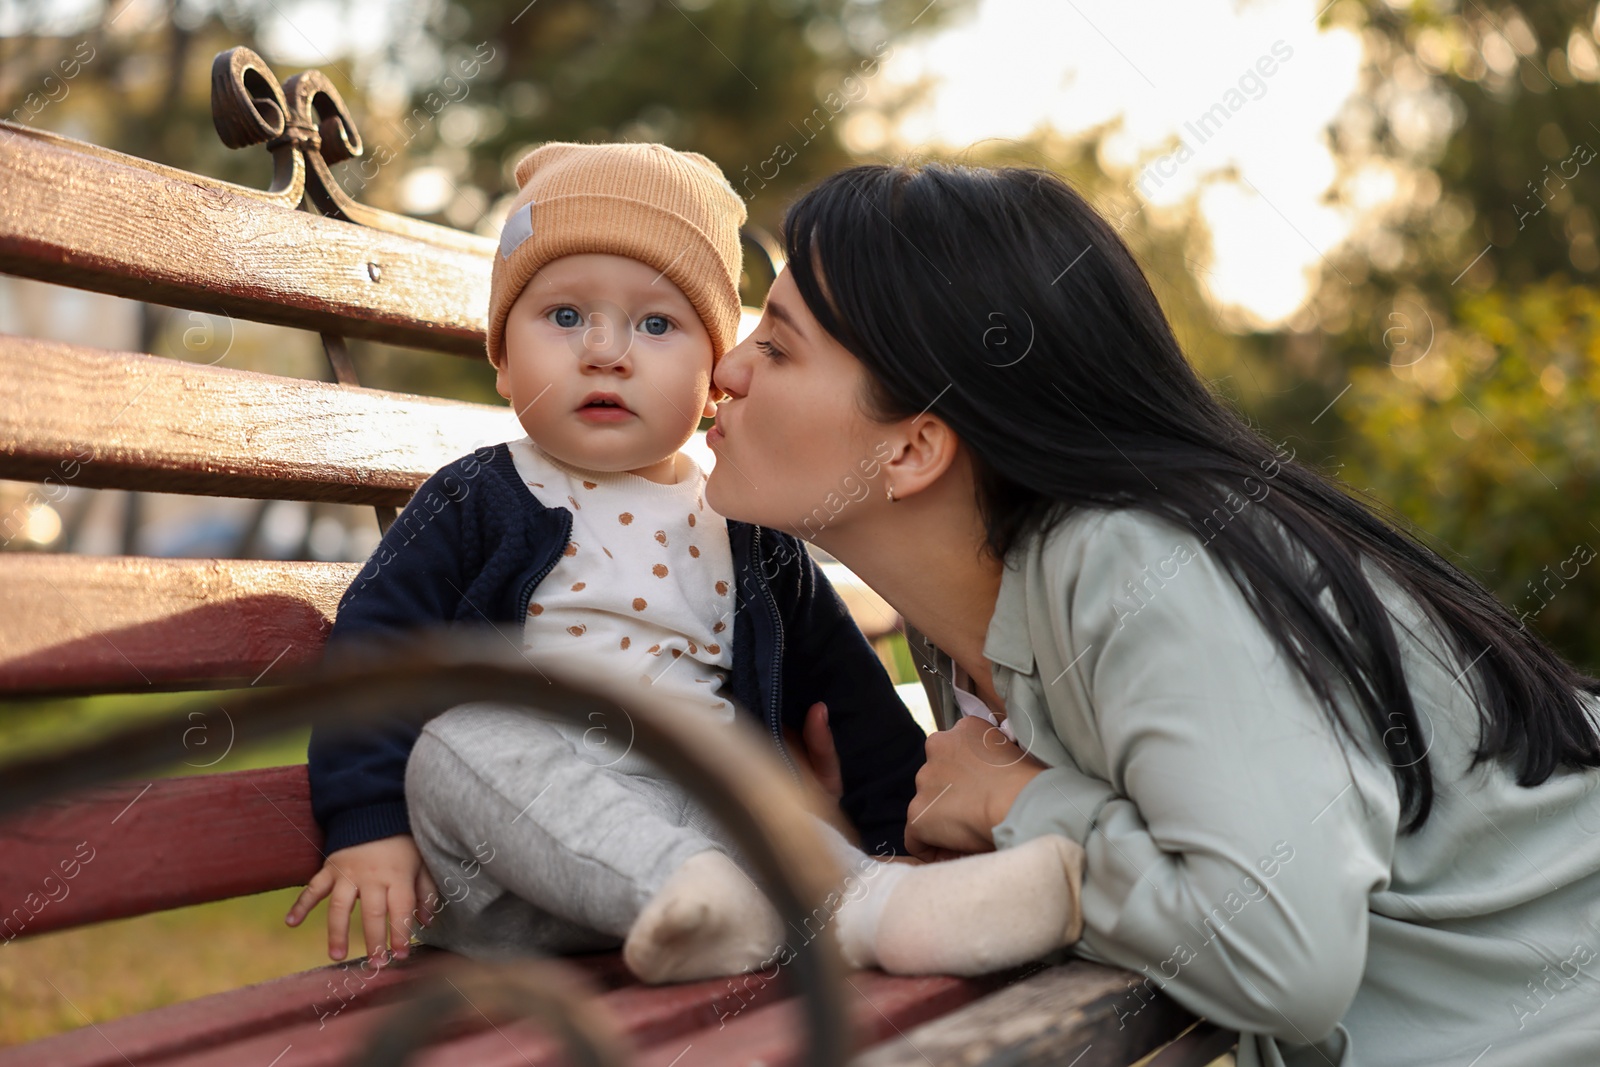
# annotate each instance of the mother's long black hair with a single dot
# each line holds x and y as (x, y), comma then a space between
(1003, 300)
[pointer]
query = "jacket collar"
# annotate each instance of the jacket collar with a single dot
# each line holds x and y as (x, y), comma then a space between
(1007, 640)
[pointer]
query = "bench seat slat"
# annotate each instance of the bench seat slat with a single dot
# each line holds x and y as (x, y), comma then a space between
(880, 1007)
(279, 1005)
(74, 415)
(150, 846)
(646, 1014)
(221, 1017)
(88, 220)
(662, 1021)
(763, 1032)
(82, 624)
(1080, 1013)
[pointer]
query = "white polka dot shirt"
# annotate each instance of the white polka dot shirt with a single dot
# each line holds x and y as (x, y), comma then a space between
(645, 585)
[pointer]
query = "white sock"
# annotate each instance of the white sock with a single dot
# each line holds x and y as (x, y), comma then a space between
(967, 916)
(709, 919)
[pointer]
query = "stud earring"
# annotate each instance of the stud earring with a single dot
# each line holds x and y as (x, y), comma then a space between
(889, 491)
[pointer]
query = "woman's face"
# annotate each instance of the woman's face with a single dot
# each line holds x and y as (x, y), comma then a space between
(794, 449)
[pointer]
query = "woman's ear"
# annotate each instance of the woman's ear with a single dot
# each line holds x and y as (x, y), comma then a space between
(926, 449)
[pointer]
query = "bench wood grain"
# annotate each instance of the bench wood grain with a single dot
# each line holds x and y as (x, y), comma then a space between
(71, 415)
(1079, 1013)
(124, 850)
(84, 624)
(94, 221)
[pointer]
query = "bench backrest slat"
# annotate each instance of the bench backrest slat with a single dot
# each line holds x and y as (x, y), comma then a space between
(127, 850)
(84, 624)
(87, 220)
(72, 415)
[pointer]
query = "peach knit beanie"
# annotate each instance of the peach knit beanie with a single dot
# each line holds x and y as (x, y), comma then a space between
(670, 210)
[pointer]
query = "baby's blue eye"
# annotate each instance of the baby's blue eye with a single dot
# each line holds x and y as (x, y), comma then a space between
(655, 325)
(566, 317)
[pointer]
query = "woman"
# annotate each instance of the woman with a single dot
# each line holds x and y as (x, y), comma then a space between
(1331, 795)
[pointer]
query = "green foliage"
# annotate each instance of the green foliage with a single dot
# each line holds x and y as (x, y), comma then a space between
(1486, 443)
(1489, 442)
(746, 82)
(1519, 82)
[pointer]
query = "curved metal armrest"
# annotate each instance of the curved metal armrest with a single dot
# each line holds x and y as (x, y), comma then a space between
(731, 770)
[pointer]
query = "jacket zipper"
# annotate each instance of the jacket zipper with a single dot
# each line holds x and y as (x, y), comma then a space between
(526, 596)
(777, 627)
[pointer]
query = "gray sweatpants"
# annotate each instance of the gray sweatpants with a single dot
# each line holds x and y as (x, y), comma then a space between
(540, 841)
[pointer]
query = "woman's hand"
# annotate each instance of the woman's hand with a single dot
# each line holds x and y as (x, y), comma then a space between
(396, 891)
(972, 777)
(822, 783)
(820, 755)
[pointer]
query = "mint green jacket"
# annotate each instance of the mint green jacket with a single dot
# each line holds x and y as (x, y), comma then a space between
(1245, 861)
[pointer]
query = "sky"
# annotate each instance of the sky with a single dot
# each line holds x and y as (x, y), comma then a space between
(1257, 170)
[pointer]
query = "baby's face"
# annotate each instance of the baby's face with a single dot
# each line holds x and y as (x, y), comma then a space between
(595, 325)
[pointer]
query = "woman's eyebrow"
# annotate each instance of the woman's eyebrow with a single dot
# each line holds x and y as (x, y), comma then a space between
(783, 315)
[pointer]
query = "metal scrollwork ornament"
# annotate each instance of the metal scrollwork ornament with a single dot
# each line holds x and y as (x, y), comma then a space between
(308, 129)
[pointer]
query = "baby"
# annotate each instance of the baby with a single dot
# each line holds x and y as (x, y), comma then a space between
(614, 292)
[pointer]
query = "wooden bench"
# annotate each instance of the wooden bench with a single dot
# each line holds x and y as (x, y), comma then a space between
(79, 215)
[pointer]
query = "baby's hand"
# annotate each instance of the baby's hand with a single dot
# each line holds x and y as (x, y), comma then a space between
(396, 891)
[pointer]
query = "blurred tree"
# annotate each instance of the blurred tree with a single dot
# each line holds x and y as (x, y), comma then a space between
(760, 86)
(1488, 442)
(1463, 316)
(1481, 114)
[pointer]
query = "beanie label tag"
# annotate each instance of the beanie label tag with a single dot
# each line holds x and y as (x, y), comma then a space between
(518, 228)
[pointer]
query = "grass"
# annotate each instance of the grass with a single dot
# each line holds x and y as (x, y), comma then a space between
(64, 980)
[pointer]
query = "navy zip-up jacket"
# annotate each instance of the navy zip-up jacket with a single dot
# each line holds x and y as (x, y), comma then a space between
(469, 550)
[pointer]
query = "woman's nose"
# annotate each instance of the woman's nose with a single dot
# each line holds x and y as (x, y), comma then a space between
(732, 372)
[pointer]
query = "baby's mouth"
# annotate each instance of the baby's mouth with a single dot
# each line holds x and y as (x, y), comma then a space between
(604, 402)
